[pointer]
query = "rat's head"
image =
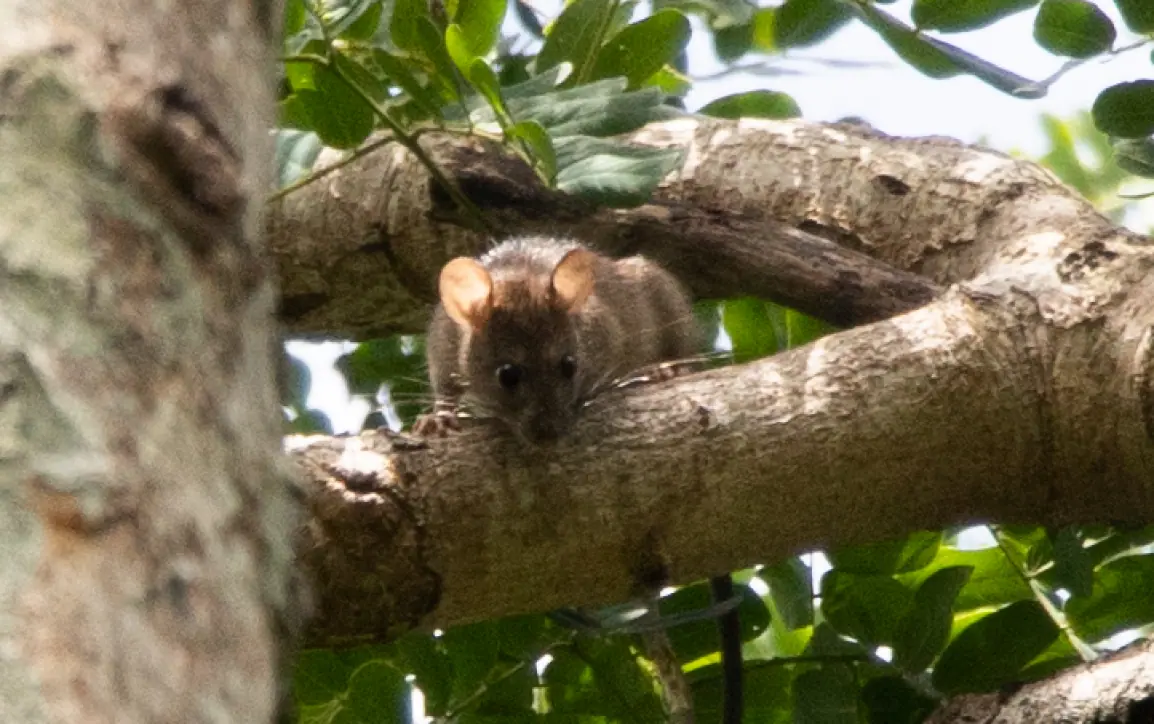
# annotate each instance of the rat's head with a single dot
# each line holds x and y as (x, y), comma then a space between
(523, 363)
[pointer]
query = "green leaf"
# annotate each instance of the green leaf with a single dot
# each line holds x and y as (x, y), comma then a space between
(732, 42)
(1138, 14)
(431, 43)
(952, 16)
(366, 27)
(296, 16)
(699, 638)
(399, 73)
(1121, 599)
(296, 152)
(1136, 157)
(601, 677)
(480, 20)
(803, 329)
(1074, 28)
(643, 48)
(359, 76)
(431, 668)
(597, 109)
(538, 85)
(576, 36)
(925, 629)
(523, 637)
(509, 696)
(379, 693)
(799, 23)
(994, 581)
(1073, 568)
(717, 13)
(764, 35)
(300, 74)
(319, 677)
(296, 381)
(990, 652)
(826, 642)
(766, 692)
(310, 422)
(896, 556)
(867, 608)
(889, 700)
(791, 589)
(754, 327)
(336, 112)
(539, 144)
(619, 180)
(753, 104)
(1126, 110)
(826, 695)
(670, 81)
(355, 19)
(405, 25)
(472, 650)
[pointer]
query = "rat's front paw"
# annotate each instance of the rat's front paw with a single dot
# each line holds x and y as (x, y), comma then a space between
(438, 423)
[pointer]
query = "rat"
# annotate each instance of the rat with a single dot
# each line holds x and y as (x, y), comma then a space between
(535, 328)
(531, 331)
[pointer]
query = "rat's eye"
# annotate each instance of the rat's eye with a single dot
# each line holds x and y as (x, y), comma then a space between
(568, 366)
(510, 376)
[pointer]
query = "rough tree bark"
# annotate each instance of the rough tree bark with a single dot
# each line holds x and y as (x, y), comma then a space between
(1023, 393)
(145, 517)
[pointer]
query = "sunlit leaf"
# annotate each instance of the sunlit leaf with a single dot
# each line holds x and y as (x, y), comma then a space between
(643, 48)
(753, 104)
(903, 555)
(1121, 599)
(480, 21)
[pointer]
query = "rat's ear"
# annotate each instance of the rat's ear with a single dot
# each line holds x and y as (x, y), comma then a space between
(573, 279)
(466, 292)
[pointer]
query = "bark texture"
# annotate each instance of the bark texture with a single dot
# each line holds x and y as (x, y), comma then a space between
(1025, 393)
(145, 522)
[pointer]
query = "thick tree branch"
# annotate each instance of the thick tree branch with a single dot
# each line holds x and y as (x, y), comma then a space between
(935, 418)
(359, 251)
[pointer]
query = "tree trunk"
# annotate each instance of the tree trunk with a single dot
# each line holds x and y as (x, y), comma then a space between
(146, 524)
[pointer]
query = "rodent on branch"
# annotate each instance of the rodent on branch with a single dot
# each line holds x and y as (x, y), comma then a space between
(536, 327)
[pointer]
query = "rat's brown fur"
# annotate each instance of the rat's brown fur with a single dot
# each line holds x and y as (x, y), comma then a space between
(635, 314)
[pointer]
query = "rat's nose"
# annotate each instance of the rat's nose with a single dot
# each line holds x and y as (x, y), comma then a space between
(545, 428)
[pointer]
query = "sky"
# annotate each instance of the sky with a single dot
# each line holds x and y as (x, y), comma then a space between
(887, 93)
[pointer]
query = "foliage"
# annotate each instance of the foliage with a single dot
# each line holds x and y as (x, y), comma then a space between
(876, 633)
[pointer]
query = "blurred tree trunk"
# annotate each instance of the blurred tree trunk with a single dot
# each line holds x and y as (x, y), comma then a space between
(145, 521)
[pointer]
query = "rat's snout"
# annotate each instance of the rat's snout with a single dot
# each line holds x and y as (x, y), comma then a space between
(547, 426)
